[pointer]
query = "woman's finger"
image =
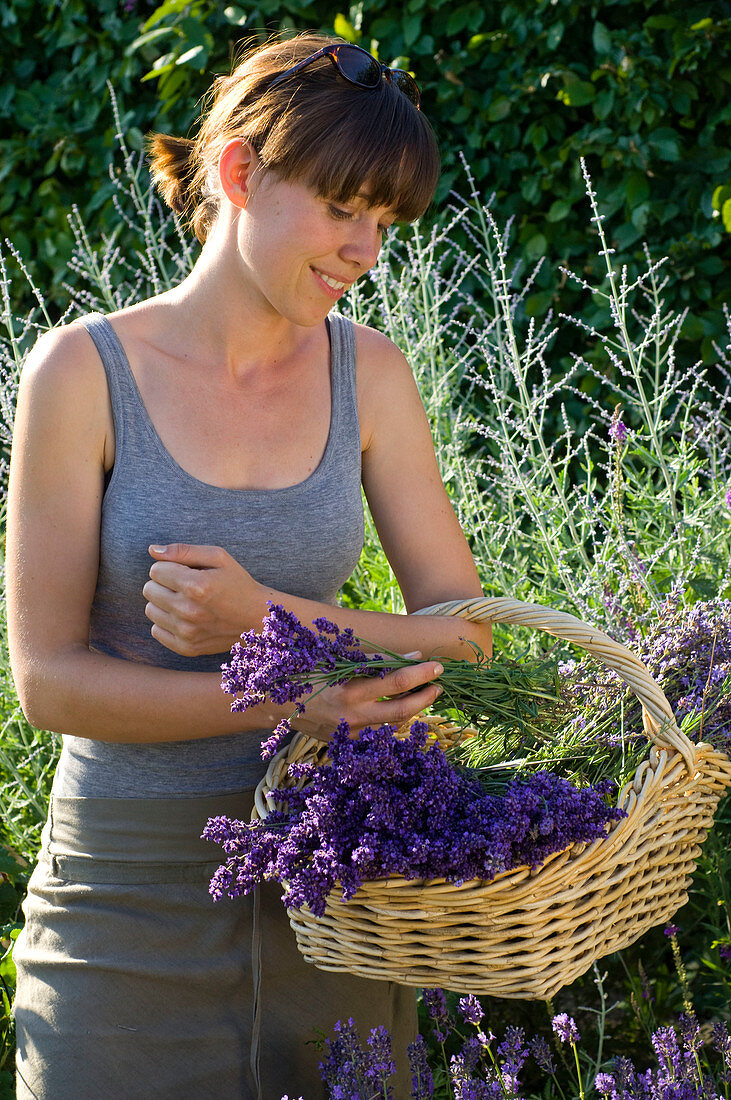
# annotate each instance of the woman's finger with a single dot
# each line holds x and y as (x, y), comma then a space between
(163, 597)
(173, 576)
(400, 709)
(171, 641)
(407, 679)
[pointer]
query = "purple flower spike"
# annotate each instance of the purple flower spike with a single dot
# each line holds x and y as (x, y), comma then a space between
(618, 432)
(604, 1084)
(436, 1003)
(721, 1041)
(422, 1081)
(727, 498)
(565, 1027)
(671, 930)
(725, 952)
(541, 1051)
(471, 1009)
(382, 1064)
(273, 744)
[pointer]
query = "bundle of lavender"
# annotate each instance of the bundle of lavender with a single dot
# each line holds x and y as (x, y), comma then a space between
(382, 804)
(287, 661)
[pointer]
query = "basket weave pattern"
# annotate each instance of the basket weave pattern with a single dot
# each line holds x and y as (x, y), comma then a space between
(528, 933)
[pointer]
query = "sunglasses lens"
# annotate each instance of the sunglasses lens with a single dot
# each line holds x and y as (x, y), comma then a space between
(358, 66)
(405, 83)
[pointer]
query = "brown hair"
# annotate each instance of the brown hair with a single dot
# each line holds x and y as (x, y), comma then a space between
(316, 127)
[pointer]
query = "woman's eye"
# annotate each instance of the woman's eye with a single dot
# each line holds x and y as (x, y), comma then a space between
(338, 212)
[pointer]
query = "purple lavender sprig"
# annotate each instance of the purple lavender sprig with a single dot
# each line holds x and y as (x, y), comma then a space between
(422, 1078)
(287, 661)
(349, 1070)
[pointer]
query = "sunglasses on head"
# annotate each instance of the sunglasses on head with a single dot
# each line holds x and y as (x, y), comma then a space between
(359, 67)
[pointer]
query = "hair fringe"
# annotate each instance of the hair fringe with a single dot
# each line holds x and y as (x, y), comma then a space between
(317, 128)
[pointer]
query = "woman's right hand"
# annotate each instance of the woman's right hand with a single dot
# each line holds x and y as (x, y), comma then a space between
(369, 701)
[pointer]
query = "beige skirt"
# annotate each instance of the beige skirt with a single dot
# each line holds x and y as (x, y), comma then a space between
(133, 983)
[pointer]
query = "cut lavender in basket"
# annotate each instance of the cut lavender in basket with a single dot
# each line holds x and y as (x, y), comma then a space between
(382, 805)
(287, 661)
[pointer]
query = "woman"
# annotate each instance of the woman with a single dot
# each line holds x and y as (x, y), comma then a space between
(179, 463)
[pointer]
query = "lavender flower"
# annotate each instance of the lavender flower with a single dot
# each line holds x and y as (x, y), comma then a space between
(665, 1044)
(422, 1080)
(727, 498)
(690, 1033)
(565, 1027)
(354, 1074)
(382, 1065)
(512, 1053)
(541, 1051)
(435, 1001)
(618, 431)
(287, 660)
(471, 1009)
(671, 930)
(604, 1084)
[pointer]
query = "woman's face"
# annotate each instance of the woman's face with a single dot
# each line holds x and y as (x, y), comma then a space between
(302, 252)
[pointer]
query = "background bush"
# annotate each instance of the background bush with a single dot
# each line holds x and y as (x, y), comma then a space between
(640, 88)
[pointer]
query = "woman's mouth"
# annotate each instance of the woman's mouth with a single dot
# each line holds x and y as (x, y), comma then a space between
(334, 287)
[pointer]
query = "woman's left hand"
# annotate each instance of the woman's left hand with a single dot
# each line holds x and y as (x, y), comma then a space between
(200, 599)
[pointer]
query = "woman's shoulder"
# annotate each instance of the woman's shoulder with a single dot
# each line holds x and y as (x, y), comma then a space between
(63, 377)
(63, 354)
(377, 356)
(385, 381)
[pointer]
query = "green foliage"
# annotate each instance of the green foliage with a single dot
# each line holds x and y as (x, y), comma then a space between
(640, 89)
(13, 878)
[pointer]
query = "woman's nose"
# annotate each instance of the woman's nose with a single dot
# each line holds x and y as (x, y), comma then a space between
(363, 246)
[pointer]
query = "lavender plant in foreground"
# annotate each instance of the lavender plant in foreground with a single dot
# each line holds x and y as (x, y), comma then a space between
(352, 1073)
(686, 1066)
(385, 805)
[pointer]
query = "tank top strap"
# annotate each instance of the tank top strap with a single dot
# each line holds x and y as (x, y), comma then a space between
(123, 391)
(343, 374)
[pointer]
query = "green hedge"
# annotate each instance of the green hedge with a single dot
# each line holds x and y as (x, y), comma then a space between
(640, 88)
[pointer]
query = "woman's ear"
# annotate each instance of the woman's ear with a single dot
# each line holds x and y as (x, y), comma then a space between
(237, 164)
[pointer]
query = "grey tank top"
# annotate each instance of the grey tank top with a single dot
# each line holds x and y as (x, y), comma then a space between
(304, 540)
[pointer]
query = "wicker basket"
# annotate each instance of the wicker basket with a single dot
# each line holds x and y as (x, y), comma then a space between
(528, 933)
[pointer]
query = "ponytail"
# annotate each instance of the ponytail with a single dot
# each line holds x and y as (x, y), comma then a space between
(173, 170)
(176, 176)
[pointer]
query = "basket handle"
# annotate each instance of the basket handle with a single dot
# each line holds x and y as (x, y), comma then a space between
(657, 716)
